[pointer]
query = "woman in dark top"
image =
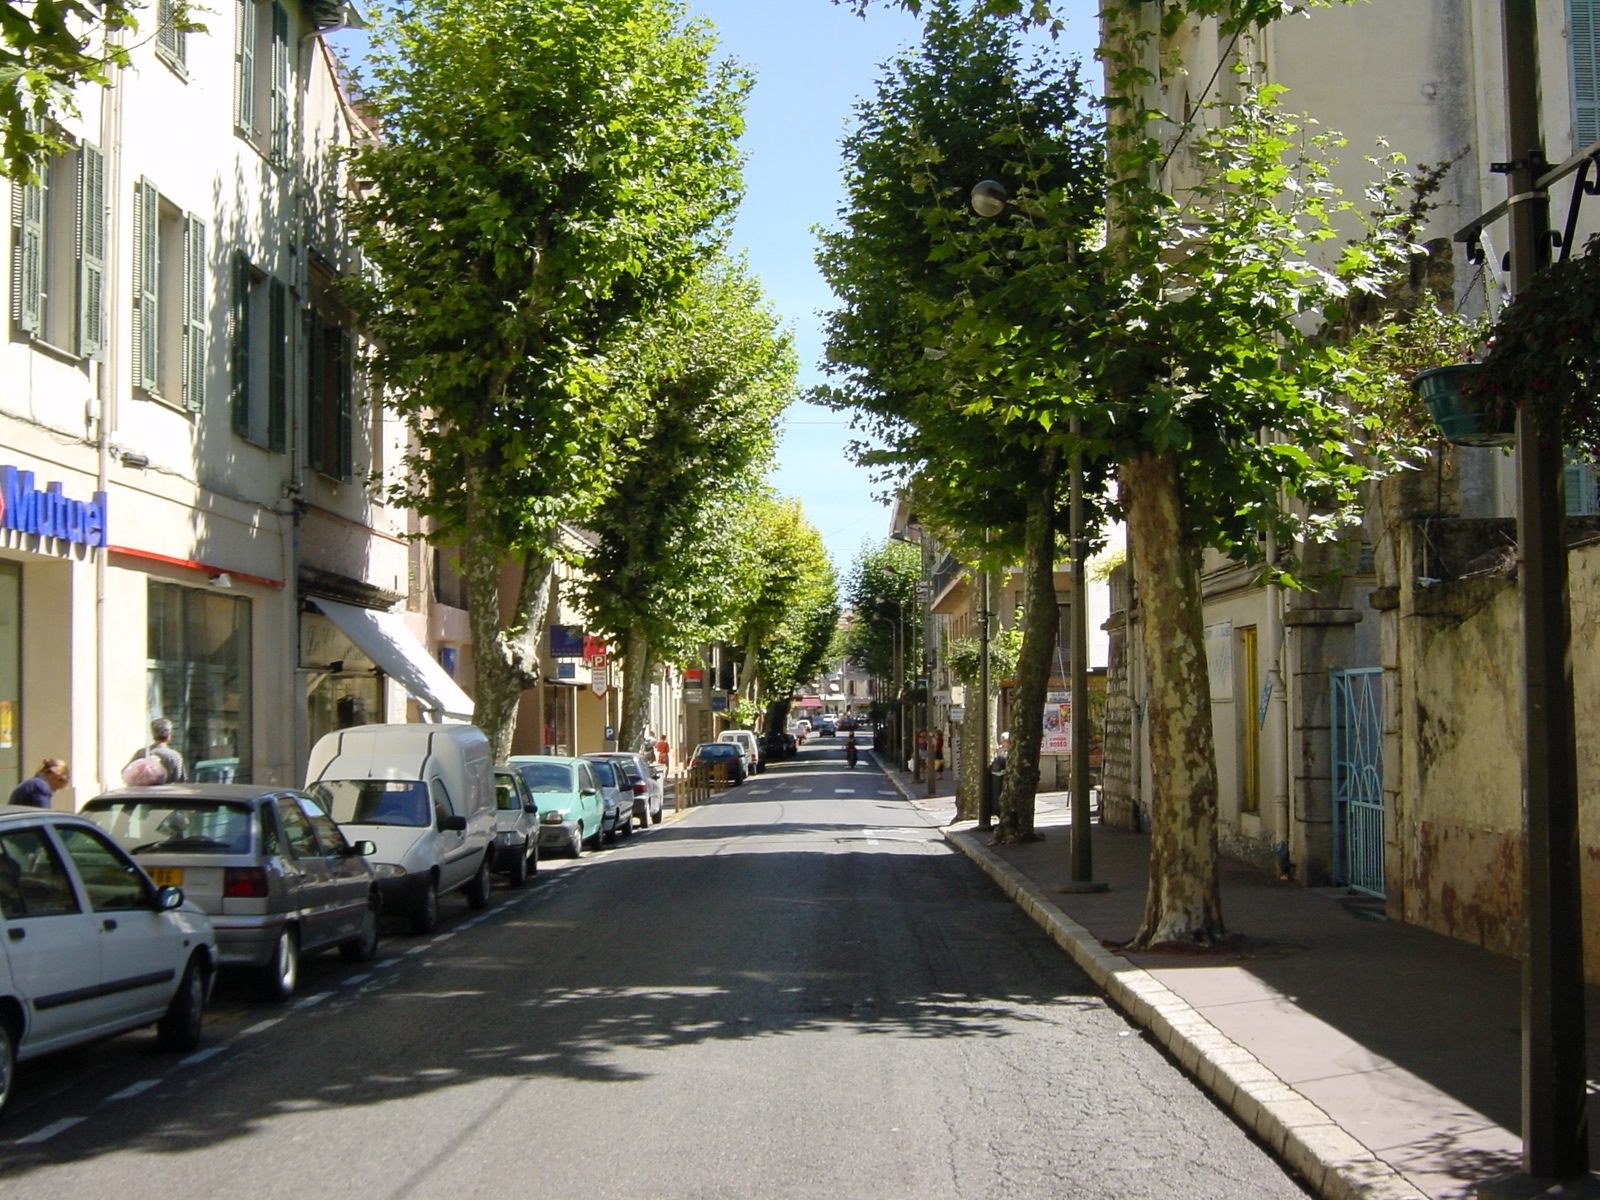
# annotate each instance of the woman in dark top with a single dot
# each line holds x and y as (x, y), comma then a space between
(38, 790)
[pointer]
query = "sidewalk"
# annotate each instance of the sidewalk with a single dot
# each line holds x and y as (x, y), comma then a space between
(1379, 1059)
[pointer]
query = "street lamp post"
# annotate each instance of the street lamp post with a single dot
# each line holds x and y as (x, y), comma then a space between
(985, 783)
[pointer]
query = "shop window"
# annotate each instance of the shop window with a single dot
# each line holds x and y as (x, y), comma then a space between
(258, 353)
(199, 678)
(58, 228)
(170, 293)
(10, 675)
(262, 77)
(344, 687)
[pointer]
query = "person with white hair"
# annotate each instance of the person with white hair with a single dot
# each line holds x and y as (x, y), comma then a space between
(161, 750)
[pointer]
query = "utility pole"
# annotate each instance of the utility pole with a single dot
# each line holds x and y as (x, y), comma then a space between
(985, 797)
(927, 659)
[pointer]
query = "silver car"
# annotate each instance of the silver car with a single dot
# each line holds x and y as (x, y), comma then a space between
(648, 793)
(514, 852)
(617, 793)
(269, 865)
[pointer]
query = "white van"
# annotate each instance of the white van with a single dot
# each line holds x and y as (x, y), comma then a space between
(424, 794)
(746, 741)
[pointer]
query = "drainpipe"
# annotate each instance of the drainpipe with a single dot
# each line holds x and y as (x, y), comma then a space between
(1276, 723)
(106, 385)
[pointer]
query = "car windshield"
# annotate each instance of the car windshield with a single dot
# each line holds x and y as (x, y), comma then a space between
(182, 825)
(717, 750)
(546, 777)
(376, 801)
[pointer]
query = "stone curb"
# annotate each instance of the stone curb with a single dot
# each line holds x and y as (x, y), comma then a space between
(1332, 1162)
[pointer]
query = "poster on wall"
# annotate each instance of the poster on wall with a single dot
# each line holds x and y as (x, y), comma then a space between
(1057, 723)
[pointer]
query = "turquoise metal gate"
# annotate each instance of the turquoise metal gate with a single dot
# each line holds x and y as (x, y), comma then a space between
(1357, 721)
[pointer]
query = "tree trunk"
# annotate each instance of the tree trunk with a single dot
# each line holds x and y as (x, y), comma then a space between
(970, 773)
(778, 715)
(638, 673)
(1184, 903)
(505, 653)
(1015, 807)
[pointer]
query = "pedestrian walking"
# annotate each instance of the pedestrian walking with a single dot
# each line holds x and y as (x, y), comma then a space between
(663, 752)
(160, 749)
(38, 790)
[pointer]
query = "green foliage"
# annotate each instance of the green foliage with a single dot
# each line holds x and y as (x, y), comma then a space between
(708, 375)
(550, 171)
(965, 656)
(789, 618)
(881, 595)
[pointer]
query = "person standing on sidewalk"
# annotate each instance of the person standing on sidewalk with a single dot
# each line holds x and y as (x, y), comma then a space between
(37, 791)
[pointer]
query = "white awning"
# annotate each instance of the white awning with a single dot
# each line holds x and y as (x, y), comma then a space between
(384, 638)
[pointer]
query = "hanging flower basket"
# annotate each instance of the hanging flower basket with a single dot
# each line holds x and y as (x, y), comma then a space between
(1465, 416)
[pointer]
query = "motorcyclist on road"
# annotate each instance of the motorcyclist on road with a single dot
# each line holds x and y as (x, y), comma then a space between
(850, 751)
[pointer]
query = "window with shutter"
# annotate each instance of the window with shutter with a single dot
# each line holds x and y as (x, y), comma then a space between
(244, 67)
(317, 440)
(194, 313)
(91, 251)
(1583, 50)
(27, 271)
(171, 42)
(278, 367)
(145, 338)
(345, 426)
(239, 338)
(282, 65)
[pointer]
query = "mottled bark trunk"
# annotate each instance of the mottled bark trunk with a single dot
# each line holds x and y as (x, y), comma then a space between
(638, 673)
(1015, 807)
(504, 649)
(969, 778)
(1183, 903)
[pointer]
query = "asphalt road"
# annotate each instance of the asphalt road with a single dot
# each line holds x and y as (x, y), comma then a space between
(795, 991)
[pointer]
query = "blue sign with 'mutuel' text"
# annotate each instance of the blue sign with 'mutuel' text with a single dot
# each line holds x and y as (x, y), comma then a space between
(50, 513)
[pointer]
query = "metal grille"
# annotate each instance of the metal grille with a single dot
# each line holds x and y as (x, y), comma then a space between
(1357, 728)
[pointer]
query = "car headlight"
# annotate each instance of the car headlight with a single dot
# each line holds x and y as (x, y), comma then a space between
(508, 838)
(388, 870)
(551, 816)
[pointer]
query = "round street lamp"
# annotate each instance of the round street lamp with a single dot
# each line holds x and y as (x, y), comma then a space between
(989, 198)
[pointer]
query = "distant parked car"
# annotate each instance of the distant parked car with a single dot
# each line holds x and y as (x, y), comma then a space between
(616, 791)
(274, 872)
(791, 745)
(827, 729)
(645, 782)
(514, 852)
(571, 809)
(93, 945)
(725, 754)
(846, 724)
(746, 741)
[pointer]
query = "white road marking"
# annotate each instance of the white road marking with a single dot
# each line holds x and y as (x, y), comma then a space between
(260, 1026)
(871, 836)
(419, 949)
(444, 937)
(201, 1055)
(354, 980)
(133, 1089)
(49, 1131)
(388, 962)
(844, 791)
(310, 1000)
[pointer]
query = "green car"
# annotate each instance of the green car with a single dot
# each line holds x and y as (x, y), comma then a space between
(571, 806)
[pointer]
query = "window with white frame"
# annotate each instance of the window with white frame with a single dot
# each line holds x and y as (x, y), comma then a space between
(263, 75)
(258, 351)
(171, 290)
(58, 249)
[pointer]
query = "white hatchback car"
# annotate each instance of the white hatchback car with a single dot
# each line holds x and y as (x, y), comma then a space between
(92, 947)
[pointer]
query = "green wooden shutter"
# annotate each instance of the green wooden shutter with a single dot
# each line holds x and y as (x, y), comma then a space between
(194, 313)
(1583, 50)
(28, 208)
(278, 367)
(281, 65)
(244, 67)
(239, 344)
(316, 393)
(170, 40)
(346, 416)
(145, 341)
(91, 251)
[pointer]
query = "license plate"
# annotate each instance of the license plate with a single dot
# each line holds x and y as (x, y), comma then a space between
(167, 876)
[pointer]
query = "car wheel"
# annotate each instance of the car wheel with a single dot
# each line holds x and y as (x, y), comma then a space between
(283, 968)
(655, 817)
(425, 917)
(627, 827)
(477, 889)
(518, 874)
(364, 946)
(533, 856)
(8, 1062)
(576, 849)
(597, 836)
(179, 1027)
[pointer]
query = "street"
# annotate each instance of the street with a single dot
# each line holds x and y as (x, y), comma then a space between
(796, 990)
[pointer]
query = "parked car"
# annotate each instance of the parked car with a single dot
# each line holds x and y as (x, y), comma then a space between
(827, 729)
(93, 946)
(515, 851)
(846, 724)
(425, 795)
(775, 746)
(571, 809)
(714, 754)
(746, 741)
(616, 791)
(270, 867)
(645, 781)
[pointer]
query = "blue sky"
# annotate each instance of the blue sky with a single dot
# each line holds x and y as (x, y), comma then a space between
(812, 59)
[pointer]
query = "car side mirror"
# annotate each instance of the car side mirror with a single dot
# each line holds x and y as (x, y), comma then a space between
(655, 772)
(530, 808)
(588, 791)
(169, 898)
(363, 849)
(452, 824)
